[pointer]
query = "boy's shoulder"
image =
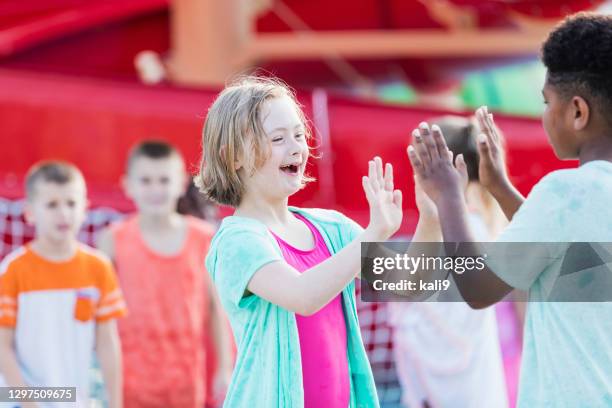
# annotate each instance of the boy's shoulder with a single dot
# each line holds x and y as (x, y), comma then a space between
(93, 255)
(201, 226)
(562, 176)
(565, 181)
(120, 223)
(23, 259)
(14, 259)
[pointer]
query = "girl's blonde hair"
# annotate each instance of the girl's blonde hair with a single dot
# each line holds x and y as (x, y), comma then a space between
(232, 130)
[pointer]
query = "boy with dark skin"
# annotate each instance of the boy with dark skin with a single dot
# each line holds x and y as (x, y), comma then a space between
(567, 360)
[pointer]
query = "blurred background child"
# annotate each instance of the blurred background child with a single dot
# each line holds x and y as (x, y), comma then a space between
(159, 255)
(59, 298)
(447, 354)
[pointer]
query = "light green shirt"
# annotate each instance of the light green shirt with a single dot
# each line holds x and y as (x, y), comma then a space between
(567, 354)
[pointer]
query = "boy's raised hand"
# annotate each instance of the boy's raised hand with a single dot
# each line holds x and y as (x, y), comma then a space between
(385, 202)
(492, 167)
(432, 163)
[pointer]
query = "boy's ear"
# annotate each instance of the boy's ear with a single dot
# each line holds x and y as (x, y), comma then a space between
(582, 112)
(27, 213)
(124, 183)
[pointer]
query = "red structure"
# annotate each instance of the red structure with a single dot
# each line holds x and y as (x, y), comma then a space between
(68, 88)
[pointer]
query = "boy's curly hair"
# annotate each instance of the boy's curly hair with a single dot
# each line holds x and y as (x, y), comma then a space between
(578, 56)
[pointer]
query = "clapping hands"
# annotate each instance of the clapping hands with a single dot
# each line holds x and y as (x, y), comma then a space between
(433, 166)
(492, 167)
(385, 202)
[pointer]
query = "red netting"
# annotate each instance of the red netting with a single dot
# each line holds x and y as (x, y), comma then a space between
(373, 316)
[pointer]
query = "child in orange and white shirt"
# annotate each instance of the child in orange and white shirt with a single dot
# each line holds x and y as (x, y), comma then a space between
(59, 298)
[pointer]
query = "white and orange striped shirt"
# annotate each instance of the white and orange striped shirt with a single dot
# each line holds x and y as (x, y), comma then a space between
(54, 308)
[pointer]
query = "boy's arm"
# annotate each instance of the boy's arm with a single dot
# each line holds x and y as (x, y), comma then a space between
(509, 199)
(106, 243)
(428, 226)
(443, 183)
(492, 170)
(479, 288)
(108, 349)
(223, 344)
(8, 359)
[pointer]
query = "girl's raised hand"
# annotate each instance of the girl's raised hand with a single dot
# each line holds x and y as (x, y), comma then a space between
(492, 167)
(385, 202)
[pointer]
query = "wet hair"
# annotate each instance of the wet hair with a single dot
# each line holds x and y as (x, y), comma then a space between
(578, 56)
(51, 171)
(460, 134)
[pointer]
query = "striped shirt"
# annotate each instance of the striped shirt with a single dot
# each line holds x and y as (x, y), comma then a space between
(53, 308)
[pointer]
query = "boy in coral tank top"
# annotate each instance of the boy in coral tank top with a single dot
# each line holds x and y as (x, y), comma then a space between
(174, 320)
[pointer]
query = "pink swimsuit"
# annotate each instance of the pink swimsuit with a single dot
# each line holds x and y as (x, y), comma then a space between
(323, 342)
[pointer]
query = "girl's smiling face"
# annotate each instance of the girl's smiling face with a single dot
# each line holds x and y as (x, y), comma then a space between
(282, 174)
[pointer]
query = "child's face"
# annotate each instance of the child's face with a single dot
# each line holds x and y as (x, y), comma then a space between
(558, 121)
(282, 173)
(57, 211)
(155, 185)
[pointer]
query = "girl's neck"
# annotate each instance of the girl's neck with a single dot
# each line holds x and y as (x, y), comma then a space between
(268, 212)
(596, 149)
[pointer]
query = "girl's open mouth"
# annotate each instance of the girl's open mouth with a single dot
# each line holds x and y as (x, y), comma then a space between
(291, 169)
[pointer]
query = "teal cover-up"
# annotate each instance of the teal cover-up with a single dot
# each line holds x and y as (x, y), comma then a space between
(268, 370)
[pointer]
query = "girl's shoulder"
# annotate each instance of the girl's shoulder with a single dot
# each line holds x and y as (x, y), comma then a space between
(318, 215)
(234, 228)
(337, 226)
(234, 223)
(238, 239)
(322, 215)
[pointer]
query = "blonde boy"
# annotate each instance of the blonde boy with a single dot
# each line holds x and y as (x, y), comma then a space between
(58, 298)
